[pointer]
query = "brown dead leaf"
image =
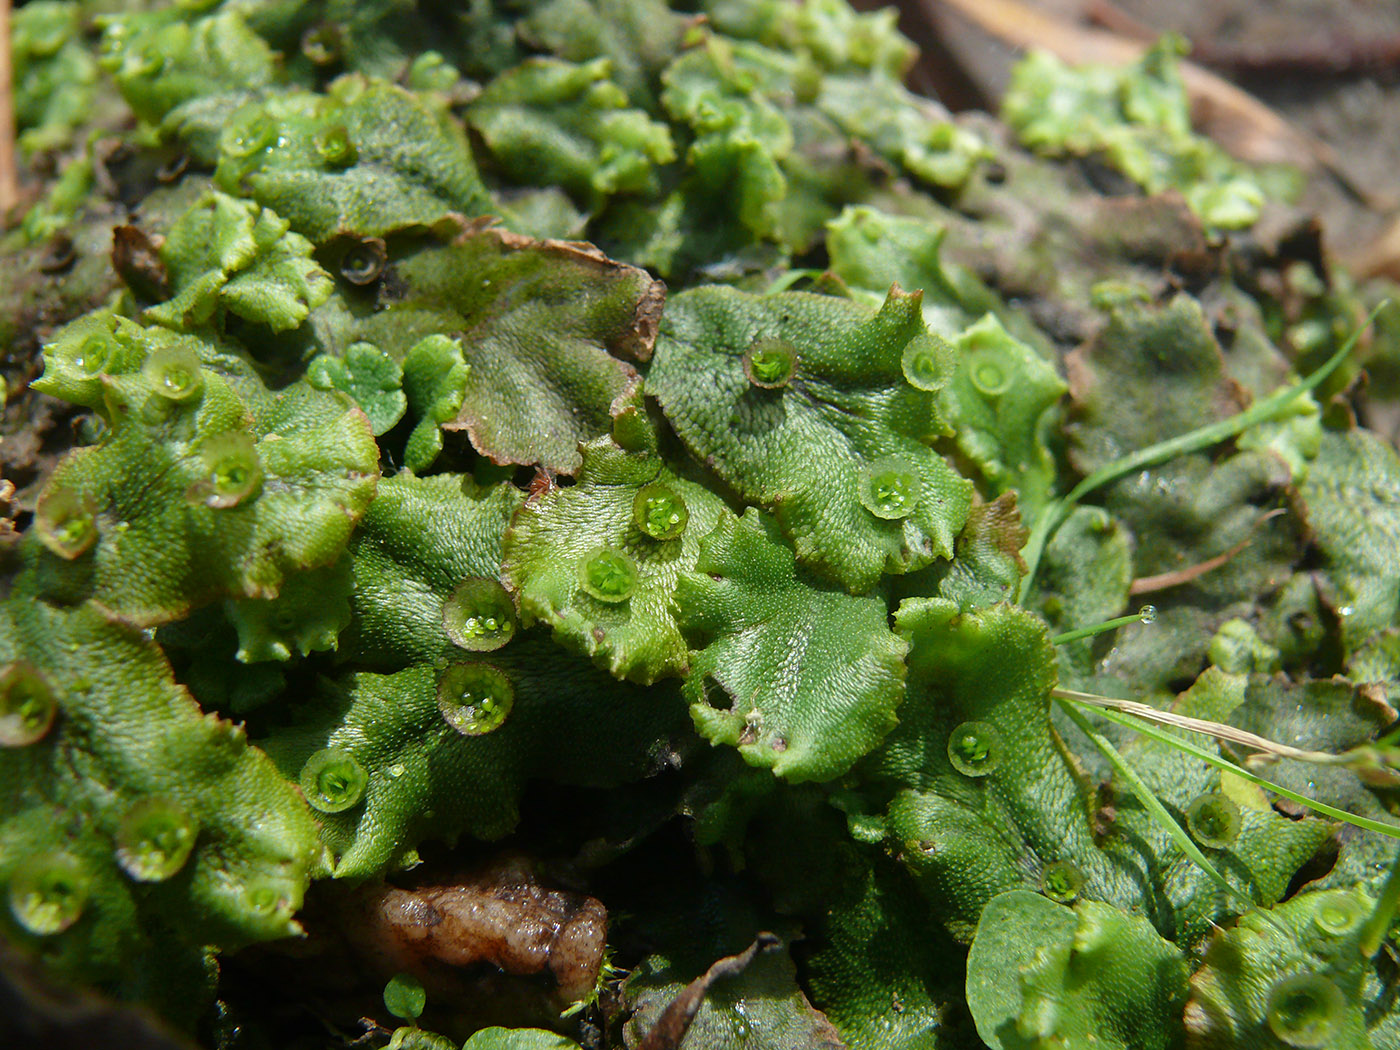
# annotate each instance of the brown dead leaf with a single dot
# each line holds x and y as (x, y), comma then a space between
(674, 1022)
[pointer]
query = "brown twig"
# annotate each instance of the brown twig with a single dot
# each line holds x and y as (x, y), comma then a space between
(9, 174)
(1219, 730)
(1239, 122)
(1163, 580)
(1322, 53)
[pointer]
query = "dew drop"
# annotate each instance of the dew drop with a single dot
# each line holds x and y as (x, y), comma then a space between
(155, 839)
(480, 616)
(332, 780)
(660, 512)
(928, 362)
(975, 748)
(66, 522)
(607, 574)
(396, 770)
(27, 705)
(174, 372)
(475, 698)
(770, 363)
(1062, 881)
(890, 488)
(233, 470)
(1148, 614)
(1305, 1010)
(48, 892)
(1214, 820)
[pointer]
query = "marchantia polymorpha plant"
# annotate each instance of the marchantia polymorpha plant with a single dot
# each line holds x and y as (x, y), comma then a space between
(646, 444)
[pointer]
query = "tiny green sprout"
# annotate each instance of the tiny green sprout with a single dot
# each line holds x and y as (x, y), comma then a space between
(607, 574)
(1214, 820)
(975, 749)
(405, 997)
(608, 973)
(480, 616)
(233, 470)
(48, 892)
(1305, 1010)
(659, 511)
(364, 261)
(334, 146)
(27, 705)
(1062, 881)
(928, 362)
(1339, 914)
(332, 780)
(155, 838)
(475, 698)
(174, 372)
(66, 522)
(770, 363)
(890, 488)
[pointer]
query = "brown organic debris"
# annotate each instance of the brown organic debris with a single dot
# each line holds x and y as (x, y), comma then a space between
(136, 258)
(499, 915)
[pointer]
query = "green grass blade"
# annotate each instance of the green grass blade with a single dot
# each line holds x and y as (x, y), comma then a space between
(1108, 625)
(1147, 729)
(1378, 925)
(1151, 802)
(1056, 511)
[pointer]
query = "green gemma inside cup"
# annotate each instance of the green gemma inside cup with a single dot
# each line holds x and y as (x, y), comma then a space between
(475, 698)
(608, 574)
(480, 615)
(660, 512)
(332, 780)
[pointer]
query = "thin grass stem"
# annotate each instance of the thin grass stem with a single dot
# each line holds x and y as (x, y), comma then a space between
(1054, 513)
(1152, 803)
(1147, 729)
